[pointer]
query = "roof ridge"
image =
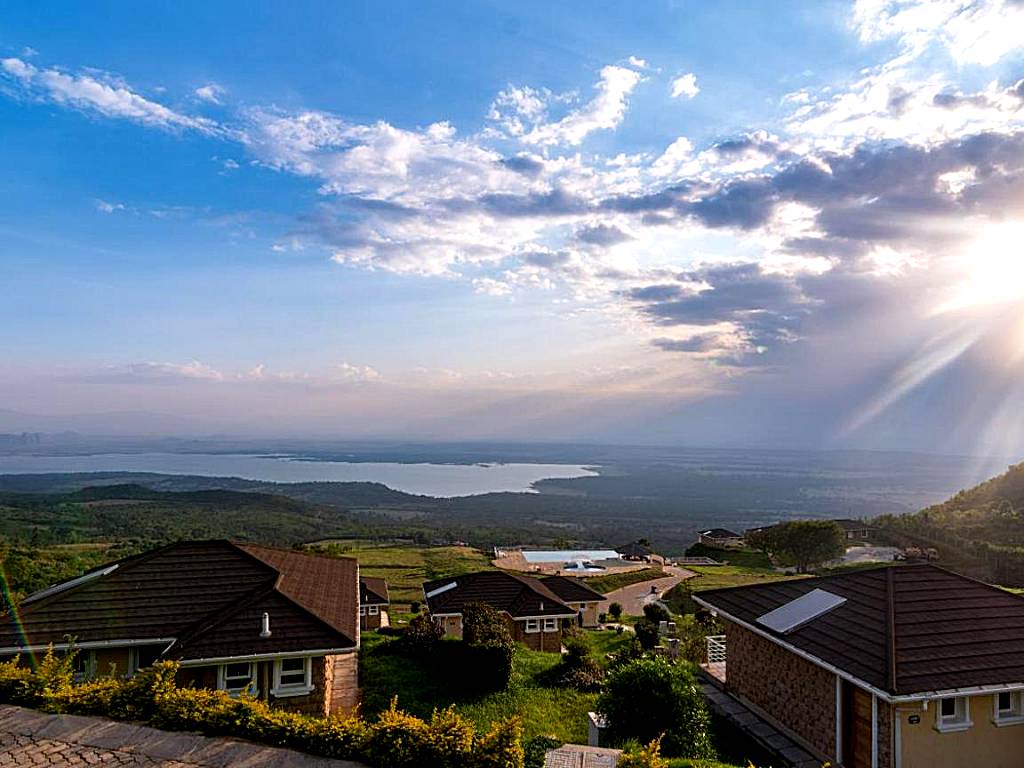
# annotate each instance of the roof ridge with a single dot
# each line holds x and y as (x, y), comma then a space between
(238, 543)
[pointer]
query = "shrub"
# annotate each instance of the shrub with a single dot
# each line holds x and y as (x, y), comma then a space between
(489, 648)
(636, 756)
(615, 609)
(535, 750)
(653, 697)
(654, 613)
(414, 606)
(647, 633)
(579, 668)
(397, 739)
(422, 636)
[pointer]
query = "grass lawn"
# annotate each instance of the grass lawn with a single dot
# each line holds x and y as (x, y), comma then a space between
(716, 576)
(421, 689)
(407, 567)
(611, 582)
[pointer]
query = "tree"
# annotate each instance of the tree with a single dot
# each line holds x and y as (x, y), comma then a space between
(647, 633)
(805, 543)
(763, 540)
(489, 647)
(655, 612)
(615, 610)
(653, 697)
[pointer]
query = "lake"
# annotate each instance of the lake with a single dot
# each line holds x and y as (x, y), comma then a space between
(442, 480)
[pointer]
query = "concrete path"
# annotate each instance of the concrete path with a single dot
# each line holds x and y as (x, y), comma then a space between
(771, 739)
(634, 597)
(579, 756)
(30, 738)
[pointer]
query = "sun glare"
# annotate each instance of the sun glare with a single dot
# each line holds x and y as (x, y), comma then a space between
(993, 269)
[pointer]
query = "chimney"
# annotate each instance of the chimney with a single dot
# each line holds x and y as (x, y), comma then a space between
(265, 625)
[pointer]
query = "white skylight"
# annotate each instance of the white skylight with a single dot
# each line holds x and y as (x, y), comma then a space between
(69, 584)
(439, 590)
(798, 612)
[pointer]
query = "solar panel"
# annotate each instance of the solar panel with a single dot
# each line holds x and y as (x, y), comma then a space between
(798, 612)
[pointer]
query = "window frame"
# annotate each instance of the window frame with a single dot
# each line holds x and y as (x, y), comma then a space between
(1014, 715)
(960, 720)
(373, 610)
(222, 679)
(282, 690)
(535, 623)
(550, 625)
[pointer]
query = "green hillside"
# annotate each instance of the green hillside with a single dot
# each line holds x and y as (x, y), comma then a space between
(979, 531)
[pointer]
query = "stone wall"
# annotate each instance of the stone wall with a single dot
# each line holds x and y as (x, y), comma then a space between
(796, 693)
(341, 683)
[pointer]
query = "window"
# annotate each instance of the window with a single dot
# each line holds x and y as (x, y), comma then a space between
(362, 610)
(374, 610)
(533, 625)
(142, 656)
(550, 625)
(952, 714)
(237, 678)
(85, 665)
(292, 677)
(1009, 708)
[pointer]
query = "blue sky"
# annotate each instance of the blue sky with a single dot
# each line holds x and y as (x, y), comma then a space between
(752, 223)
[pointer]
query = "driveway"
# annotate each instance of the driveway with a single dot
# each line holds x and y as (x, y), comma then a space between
(30, 738)
(634, 597)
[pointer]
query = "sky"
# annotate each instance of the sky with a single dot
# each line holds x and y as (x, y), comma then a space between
(783, 224)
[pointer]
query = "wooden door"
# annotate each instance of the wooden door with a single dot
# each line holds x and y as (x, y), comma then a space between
(856, 726)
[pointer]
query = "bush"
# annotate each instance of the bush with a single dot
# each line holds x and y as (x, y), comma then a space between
(636, 756)
(414, 606)
(397, 739)
(422, 636)
(647, 633)
(653, 697)
(489, 648)
(535, 750)
(579, 669)
(654, 612)
(615, 609)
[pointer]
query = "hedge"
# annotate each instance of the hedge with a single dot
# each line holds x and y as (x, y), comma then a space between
(394, 740)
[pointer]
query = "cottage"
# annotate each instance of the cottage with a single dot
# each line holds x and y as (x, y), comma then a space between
(854, 530)
(721, 538)
(578, 596)
(900, 667)
(239, 617)
(533, 611)
(373, 602)
(640, 552)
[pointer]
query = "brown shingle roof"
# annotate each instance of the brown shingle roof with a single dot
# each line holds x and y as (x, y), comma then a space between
(201, 594)
(904, 629)
(571, 590)
(519, 596)
(373, 591)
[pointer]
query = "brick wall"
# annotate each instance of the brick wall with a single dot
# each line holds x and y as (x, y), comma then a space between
(537, 641)
(795, 692)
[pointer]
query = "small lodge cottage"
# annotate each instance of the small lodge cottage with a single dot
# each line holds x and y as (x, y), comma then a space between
(894, 667)
(373, 602)
(534, 611)
(281, 624)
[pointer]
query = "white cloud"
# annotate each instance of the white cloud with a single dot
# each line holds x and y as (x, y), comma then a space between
(105, 206)
(604, 112)
(685, 86)
(211, 93)
(101, 94)
(357, 373)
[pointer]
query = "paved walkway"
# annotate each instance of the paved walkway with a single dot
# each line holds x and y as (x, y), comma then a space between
(30, 738)
(579, 756)
(634, 597)
(764, 733)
